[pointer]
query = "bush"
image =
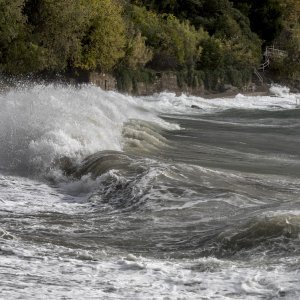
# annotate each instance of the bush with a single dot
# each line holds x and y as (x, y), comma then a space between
(104, 41)
(178, 42)
(17, 53)
(137, 53)
(127, 79)
(58, 27)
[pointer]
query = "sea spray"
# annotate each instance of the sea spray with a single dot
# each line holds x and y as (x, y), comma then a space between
(40, 124)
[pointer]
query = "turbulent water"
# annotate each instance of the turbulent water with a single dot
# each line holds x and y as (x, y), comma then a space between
(107, 196)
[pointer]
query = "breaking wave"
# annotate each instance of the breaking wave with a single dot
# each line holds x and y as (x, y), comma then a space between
(39, 125)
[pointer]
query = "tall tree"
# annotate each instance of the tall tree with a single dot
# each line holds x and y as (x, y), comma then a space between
(58, 27)
(17, 52)
(265, 17)
(105, 39)
(176, 44)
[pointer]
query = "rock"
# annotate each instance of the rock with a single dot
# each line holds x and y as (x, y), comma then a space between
(229, 88)
(195, 106)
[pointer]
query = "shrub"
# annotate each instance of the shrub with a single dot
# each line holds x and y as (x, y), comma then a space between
(178, 42)
(104, 41)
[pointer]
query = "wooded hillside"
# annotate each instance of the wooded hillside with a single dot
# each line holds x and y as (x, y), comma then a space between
(208, 41)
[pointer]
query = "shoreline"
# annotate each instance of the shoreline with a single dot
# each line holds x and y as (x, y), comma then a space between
(234, 94)
(262, 90)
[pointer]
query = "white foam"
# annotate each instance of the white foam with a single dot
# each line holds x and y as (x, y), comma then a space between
(280, 91)
(56, 272)
(42, 123)
(39, 124)
(169, 103)
(23, 195)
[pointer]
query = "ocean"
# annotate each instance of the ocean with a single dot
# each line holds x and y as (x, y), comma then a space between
(109, 196)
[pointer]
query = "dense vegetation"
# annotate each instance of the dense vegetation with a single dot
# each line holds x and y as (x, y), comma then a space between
(209, 41)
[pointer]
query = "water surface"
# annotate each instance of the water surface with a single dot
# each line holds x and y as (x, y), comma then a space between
(106, 196)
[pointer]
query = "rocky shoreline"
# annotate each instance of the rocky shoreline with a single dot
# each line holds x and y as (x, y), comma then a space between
(168, 82)
(164, 82)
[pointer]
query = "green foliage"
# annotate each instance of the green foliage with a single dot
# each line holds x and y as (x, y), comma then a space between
(215, 79)
(12, 22)
(289, 40)
(137, 53)
(174, 41)
(212, 55)
(191, 78)
(104, 41)
(200, 13)
(17, 53)
(59, 34)
(231, 54)
(57, 27)
(204, 41)
(128, 79)
(265, 17)
(290, 36)
(231, 47)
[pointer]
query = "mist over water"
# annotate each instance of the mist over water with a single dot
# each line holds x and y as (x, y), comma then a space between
(107, 196)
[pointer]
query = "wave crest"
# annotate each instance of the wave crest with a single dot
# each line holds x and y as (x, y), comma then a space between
(41, 124)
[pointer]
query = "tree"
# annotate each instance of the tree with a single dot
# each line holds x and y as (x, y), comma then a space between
(58, 27)
(265, 17)
(17, 53)
(175, 44)
(104, 40)
(137, 53)
(289, 40)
